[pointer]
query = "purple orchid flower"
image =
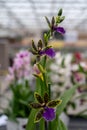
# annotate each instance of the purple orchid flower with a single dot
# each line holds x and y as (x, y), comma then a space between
(46, 107)
(49, 52)
(59, 29)
(49, 114)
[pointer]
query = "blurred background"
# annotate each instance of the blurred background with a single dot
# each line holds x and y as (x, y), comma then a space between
(24, 20)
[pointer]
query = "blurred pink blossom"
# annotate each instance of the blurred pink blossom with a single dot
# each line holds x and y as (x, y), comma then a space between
(21, 67)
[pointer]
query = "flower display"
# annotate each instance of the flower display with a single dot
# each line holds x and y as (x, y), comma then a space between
(66, 73)
(46, 109)
(19, 79)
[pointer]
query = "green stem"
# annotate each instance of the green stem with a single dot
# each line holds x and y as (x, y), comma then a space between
(45, 81)
(42, 125)
(44, 62)
(41, 88)
(49, 92)
(49, 125)
(46, 125)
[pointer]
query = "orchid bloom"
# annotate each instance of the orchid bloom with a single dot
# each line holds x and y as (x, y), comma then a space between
(49, 52)
(46, 108)
(59, 29)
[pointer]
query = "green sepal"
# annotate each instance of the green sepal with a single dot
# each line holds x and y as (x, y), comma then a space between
(40, 45)
(46, 97)
(33, 52)
(48, 22)
(33, 46)
(37, 76)
(38, 116)
(54, 103)
(59, 19)
(62, 18)
(60, 12)
(35, 105)
(38, 98)
(45, 37)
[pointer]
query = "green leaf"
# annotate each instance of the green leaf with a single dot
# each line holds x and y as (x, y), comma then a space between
(82, 112)
(42, 124)
(58, 125)
(31, 124)
(81, 69)
(65, 98)
(63, 63)
(61, 125)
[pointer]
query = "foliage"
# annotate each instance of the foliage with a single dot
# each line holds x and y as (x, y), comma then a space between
(19, 79)
(19, 103)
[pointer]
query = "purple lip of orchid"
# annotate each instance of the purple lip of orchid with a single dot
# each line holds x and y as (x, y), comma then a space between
(49, 52)
(59, 29)
(49, 114)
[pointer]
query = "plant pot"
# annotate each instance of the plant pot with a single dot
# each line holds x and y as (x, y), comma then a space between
(65, 119)
(12, 125)
(77, 123)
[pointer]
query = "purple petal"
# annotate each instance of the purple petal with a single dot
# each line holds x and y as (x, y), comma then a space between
(59, 29)
(49, 114)
(50, 52)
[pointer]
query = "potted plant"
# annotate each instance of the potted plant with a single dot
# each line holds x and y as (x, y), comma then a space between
(45, 110)
(19, 80)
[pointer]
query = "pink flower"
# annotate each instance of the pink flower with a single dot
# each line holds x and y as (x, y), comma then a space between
(21, 66)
